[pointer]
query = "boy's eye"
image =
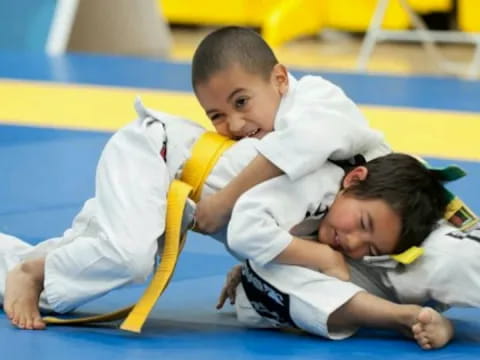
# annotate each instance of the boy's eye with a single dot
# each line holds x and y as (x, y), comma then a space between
(241, 102)
(215, 117)
(363, 225)
(373, 251)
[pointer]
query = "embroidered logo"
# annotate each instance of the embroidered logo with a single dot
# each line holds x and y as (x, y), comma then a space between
(268, 301)
(472, 234)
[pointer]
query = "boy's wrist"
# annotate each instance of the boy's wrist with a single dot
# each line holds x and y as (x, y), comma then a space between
(227, 197)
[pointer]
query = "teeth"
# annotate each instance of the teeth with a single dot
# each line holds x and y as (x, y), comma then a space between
(253, 133)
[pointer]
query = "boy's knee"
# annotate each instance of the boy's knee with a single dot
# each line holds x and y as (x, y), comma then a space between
(139, 268)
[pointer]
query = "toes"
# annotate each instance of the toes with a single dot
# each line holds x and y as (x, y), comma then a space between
(8, 311)
(426, 346)
(29, 323)
(417, 328)
(425, 316)
(38, 324)
(15, 319)
(423, 341)
(20, 323)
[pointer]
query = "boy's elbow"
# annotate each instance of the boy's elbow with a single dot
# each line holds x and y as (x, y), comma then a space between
(339, 268)
(339, 273)
(343, 274)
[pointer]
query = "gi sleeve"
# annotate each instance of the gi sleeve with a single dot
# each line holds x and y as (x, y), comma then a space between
(262, 217)
(319, 122)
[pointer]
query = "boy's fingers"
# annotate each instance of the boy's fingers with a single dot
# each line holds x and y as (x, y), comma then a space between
(222, 298)
(231, 295)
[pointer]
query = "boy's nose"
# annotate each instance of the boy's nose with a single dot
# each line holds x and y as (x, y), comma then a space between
(355, 246)
(236, 125)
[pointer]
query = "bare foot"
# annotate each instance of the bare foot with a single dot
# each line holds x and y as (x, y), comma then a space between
(431, 330)
(22, 292)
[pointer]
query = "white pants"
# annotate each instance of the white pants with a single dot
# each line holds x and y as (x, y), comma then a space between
(113, 240)
(312, 298)
(448, 273)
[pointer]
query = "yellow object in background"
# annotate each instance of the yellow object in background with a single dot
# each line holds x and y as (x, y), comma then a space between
(354, 15)
(283, 20)
(469, 15)
(293, 18)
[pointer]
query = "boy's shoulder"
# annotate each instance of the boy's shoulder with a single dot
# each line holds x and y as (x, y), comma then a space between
(311, 81)
(313, 89)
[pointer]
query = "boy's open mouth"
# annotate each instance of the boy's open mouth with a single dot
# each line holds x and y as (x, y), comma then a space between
(337, 245)
(253, 133)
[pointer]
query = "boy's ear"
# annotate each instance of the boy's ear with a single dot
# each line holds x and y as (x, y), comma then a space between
(355, 175)
(280, 78)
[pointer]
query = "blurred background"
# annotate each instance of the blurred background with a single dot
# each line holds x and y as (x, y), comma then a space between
(346, 35)
(412, 65)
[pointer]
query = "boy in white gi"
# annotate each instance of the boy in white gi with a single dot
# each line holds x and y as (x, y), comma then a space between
(113, 240)
(385, 207)
(445, 275)
(247, 93)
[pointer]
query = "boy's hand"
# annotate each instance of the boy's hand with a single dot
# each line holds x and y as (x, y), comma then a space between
(211, 214)
(229, 289)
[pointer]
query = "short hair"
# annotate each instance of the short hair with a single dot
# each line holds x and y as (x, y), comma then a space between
(227, 46)
(412, 190)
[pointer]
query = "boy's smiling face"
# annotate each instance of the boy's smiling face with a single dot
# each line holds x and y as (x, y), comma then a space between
(241, 104)
(358, 227)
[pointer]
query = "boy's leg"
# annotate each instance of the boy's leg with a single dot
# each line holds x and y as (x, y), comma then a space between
(429, 328)
(303, 296)
(24, 284)
(113, 241)
(329, 307)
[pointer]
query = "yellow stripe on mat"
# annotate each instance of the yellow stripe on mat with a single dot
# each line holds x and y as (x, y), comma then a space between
(87, 107)
(424, 132)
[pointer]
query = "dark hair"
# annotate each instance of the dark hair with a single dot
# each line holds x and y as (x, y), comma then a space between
(410, 188)
(227, 46)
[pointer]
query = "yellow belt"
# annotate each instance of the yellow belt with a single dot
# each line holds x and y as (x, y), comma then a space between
(205, 153)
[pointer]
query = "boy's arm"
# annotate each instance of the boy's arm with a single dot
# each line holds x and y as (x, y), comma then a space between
(262, 218)
(316, 256)
(214, 211)
(319, 123)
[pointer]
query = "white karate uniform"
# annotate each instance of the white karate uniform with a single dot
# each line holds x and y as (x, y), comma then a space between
(448, 273)
(113, 240)
(261, 227)
(316, 121)
(263, 218)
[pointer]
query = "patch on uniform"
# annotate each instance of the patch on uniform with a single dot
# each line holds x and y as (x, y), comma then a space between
(460, 215)
(268, 301)
(472, 234)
